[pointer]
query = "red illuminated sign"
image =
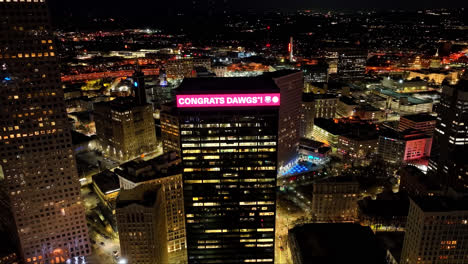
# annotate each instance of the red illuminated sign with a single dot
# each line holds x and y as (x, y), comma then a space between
(223, 100)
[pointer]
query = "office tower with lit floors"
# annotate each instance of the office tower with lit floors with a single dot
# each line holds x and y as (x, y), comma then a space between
(142, 225)
(164, 171)
(351, 63)
(449, 154)
(36, 155)
(229, 135)
(291, 86)
(435, 231)
(169, 128)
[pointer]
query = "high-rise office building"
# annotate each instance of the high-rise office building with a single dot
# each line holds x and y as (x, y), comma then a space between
(436, 231)
(125, 129)
(184, 68)
(170, 135)
(36, 155)
(316, 106)
(448, 158)
(139, 87)
(142, 225)
(351, 63)
(229, 137)
(291, 85)
(166, 171)
(317, 73)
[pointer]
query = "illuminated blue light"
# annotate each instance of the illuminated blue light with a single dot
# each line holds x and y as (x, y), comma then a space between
(7, 79)
(135, 84)
(313, 158)
(297, 169)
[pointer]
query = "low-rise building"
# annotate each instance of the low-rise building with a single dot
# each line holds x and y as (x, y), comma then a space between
(346, 106)
(220, 69)
(423, 122)
(404, 104)
(183, 67)
(357, 146)
(316, 106)
(406, 86)
(368, 112)
(106, 186)
(311, 150)
(348, 136)
(386, 213)
(326, 131)
(435, 76)
(403, 147)
(335, 200)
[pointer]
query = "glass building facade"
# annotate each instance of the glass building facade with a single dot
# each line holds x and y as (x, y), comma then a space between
(229, 157)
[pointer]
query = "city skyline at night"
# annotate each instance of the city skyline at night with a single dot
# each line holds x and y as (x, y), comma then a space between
(221, 131)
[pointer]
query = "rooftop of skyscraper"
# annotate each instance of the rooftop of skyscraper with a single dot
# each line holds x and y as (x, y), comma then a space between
(337, 243)
(309, 97)
(351, 128)
(441, 203)
(121, 103)
(226, 85)
(409, 134)
(424, 117)
(106, 181)
(463, 83)
(385, 206)
(140, 170)
(144, 195)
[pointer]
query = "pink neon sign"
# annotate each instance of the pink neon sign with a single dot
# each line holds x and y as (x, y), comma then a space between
(222, 100)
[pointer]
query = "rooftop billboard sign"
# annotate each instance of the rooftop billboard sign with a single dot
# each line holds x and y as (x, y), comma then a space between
(228, 100)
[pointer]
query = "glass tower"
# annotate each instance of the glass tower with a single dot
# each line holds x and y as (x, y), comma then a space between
(229, 155)
(450, 148)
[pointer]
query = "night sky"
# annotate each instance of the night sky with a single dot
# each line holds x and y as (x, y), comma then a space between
(80, 14)
(158, 7)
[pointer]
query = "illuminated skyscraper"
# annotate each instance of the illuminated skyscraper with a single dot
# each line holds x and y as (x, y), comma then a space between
(450, 149)
(229, 136)
(291, 85)
(36, 156)
(142, 225)
(351, 63)
(164, 171)
(169, 129)
(125, 128)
